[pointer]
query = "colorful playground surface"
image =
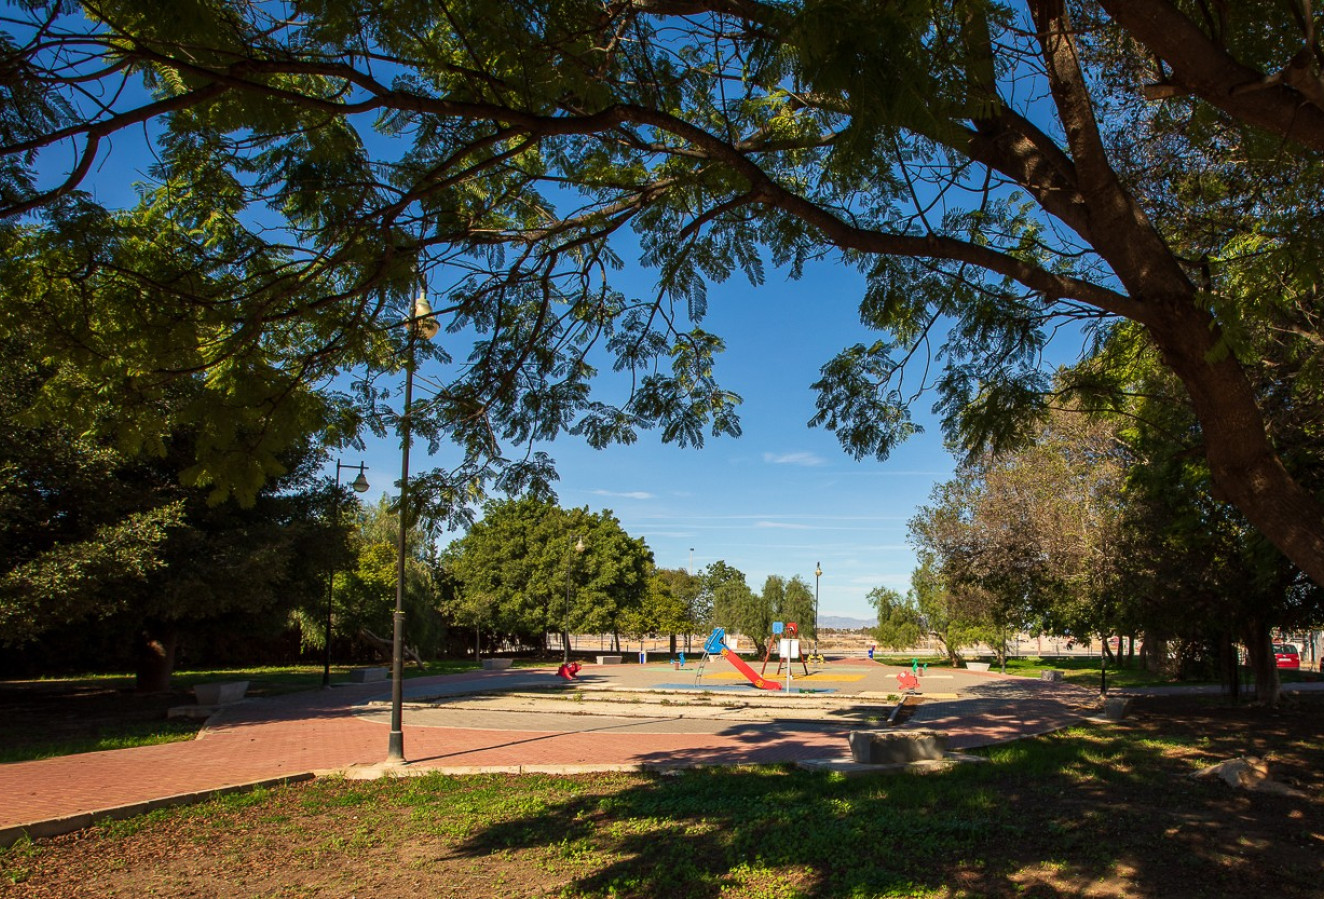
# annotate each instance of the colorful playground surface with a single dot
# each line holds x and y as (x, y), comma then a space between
(831, 684)
(715, 699)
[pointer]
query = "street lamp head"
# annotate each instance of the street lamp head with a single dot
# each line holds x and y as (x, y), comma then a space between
(818, 570)
(579, 545)
(423, 322)
(360, 484)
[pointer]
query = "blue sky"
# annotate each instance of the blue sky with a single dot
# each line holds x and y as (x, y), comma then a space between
(783, 496)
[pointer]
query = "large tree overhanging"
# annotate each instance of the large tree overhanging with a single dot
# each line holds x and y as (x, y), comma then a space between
(527, 134)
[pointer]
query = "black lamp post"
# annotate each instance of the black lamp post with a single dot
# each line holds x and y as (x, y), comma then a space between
(360, 485)
(818, 573)
(578, 547)
(421, 324)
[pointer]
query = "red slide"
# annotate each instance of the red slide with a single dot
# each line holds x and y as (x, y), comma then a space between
(748, 672)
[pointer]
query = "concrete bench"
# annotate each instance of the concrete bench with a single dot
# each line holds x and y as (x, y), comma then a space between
(609, 660)
(978, 666)
(220, 692)
(1051, 674)
(1117, 708)
(874, 747)
(368, 675)
(496, 664)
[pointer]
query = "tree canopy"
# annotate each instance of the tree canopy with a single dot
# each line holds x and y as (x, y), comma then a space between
(529, 568)
(99, 541)
(995, 170)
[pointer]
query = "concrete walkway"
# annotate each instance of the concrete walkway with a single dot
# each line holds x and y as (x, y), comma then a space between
(318, 732)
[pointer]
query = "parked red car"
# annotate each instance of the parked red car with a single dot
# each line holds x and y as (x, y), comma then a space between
(1287, 655)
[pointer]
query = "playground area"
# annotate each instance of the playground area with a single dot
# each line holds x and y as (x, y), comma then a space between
(717, 694)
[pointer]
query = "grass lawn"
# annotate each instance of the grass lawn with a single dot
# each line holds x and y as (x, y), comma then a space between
(1100, 811)
(1081, 670)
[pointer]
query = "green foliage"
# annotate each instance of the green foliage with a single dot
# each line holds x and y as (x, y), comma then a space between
(1032, 536)
(670, 606)
(957, 617)
(735, 607)
(900, 625)
(93, 535)
(279, 236)
(519, 572)
(366, 578)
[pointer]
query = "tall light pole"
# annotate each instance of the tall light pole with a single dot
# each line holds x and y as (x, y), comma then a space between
(818, 573)
(578, 547)
(360, 485)
(422, 323)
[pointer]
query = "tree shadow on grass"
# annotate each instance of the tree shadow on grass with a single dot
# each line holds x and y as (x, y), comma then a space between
(1103, 811)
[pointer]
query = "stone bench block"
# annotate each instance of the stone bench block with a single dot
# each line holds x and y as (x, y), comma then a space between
(496, 664)
(220, 692)
(609, 660)
(1052, 674)
(978, 666)
(872, 747)
(1116, 708)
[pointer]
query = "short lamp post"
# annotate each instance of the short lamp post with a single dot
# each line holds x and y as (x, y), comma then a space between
(422, 323)
(578, 547)
(818, 573)
(360, 485)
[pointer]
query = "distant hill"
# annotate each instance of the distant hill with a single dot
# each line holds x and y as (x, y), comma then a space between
(839, 622)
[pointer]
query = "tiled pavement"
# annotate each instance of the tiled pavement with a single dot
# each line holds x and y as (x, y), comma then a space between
(297, 735)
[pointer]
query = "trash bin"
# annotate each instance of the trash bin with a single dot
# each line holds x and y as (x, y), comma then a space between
(643, 657)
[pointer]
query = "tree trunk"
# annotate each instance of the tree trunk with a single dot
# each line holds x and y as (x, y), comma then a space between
(1263, 664)
(1229, 668)
(155, 658)
(1153, 652)
(673, 644)
(1243, 466)
(952, 652)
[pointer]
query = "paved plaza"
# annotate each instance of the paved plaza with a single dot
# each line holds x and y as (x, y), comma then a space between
(611, 717)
